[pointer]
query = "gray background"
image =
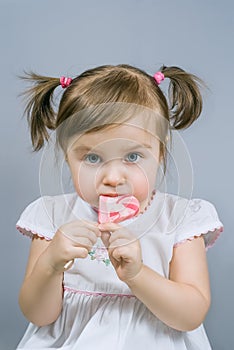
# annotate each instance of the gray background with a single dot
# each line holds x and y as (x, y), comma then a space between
(66, 37)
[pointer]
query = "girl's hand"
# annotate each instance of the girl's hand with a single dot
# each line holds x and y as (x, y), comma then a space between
(124, 250)
(72, 240)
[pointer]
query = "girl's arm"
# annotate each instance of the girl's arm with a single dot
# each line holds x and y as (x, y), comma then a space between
(41, 294)
(183, 300)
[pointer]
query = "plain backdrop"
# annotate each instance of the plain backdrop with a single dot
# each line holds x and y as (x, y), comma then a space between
(57, 38)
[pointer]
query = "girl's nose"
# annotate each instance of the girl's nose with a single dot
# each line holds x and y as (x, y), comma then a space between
(113, 173)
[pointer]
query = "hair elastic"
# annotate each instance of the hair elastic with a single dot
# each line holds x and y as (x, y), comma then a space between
(65, 82)
(159, 77)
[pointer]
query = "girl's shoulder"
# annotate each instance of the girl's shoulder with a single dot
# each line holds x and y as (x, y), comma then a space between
(189, 218)
(46, 214)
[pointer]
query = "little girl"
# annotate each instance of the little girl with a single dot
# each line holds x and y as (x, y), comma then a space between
(134, 283)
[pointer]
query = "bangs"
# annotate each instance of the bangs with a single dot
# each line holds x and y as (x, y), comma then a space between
(109, 96)
(108, 115)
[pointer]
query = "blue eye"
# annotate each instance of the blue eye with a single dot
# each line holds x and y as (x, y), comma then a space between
(92, 158)
(133, 157)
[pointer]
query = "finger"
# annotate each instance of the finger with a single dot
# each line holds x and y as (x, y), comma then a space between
(122, 234)
(109, 226)
(77, 226)
(84, 242)
(105, 236)
(92, 226)
(89, 238)
(121, 253)
(79, 252)
(86, 234)
(121, 242)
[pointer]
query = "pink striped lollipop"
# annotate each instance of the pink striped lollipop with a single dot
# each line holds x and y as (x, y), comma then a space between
(117, 209)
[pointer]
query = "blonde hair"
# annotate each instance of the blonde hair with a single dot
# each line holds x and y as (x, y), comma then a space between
(89, 94)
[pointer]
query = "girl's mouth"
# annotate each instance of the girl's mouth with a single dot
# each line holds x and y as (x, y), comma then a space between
(111, 194)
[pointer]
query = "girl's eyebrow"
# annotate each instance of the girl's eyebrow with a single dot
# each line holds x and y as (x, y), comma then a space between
(82, 148)
(85, 148)
(144, 145)
(138, 146)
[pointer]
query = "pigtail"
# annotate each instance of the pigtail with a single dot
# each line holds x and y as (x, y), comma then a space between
(185, 100)
(39, 108)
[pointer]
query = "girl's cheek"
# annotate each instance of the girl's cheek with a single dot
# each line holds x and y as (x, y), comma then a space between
(86, 185)
(144, 184)
(141, 187)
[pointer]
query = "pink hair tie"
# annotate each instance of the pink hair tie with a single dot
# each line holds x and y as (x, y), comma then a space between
(159, 77)
(65, 82)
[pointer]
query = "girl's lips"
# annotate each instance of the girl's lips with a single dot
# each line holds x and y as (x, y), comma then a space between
(111, 195)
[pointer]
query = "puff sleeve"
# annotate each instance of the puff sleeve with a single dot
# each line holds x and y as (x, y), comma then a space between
(37, 219)
(200, 219)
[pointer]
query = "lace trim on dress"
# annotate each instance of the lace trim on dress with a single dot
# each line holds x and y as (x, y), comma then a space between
(218, 229)
(30, 233)
(96, 294)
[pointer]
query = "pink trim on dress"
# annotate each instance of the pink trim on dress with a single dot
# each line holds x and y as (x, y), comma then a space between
(219, 229)
(96, 294)
(29, 233)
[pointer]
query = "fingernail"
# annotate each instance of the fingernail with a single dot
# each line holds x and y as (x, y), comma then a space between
(100, 226)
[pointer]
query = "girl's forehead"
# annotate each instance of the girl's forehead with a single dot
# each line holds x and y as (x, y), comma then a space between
(141, 128)
(122, 134)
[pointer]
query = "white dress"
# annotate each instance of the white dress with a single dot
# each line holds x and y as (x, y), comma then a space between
(99, 311)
